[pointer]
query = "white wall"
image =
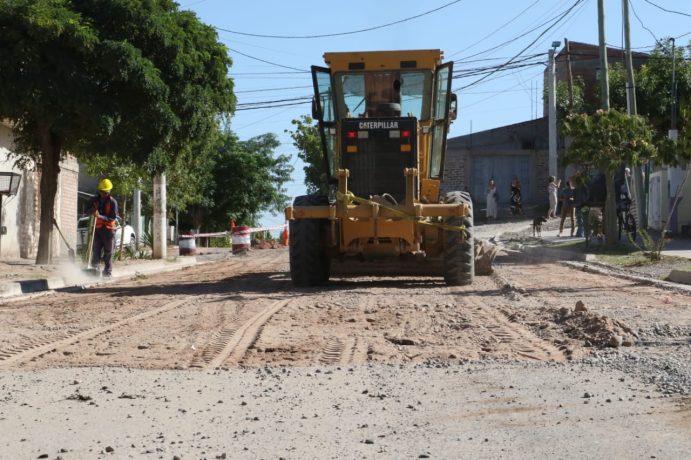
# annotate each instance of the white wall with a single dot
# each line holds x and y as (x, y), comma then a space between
(20, 213)
(9, 243)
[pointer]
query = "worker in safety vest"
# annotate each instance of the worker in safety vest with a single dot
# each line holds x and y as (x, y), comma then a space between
(105, 210)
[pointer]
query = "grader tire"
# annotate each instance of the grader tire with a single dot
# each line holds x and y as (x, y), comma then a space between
(459, 251)
(309, 265)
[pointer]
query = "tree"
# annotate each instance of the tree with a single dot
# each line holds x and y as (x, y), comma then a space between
(605, 140)
(249, 179)
(137, 80)
(308, 142)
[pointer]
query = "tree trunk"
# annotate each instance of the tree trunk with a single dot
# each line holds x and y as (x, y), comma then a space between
(610, 212)
(50, 169)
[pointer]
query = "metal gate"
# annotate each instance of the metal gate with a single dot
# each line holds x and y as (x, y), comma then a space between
(501, 168)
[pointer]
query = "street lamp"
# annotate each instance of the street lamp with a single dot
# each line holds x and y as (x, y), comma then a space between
(9, 185)
(552, 112)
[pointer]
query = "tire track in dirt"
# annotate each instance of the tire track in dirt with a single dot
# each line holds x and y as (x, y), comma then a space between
(30, 351)
(245, 336)
(508, 335)
(227, 325)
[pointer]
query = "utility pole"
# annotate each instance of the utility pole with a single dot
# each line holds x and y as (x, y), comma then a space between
(567, 46)
(610, 220)
(637, 173)
(552, 120)
(673, 133)
(160, 223)
(604, 72)
(137, 214)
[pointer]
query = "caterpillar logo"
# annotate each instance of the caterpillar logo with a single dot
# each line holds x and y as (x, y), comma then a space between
(378, 125)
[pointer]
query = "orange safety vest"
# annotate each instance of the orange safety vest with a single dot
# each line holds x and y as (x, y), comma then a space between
(102, 223)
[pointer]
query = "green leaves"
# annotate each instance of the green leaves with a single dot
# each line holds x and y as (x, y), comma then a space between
(306, 139)
(607, 139)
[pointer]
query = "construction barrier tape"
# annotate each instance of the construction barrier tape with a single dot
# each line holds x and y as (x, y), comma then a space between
(349, 198)
(229, 233)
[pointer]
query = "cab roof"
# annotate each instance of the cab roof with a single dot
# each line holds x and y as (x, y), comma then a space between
(384, 60)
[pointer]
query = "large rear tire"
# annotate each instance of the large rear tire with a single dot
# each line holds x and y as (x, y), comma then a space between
(459, 250)
(309, 264)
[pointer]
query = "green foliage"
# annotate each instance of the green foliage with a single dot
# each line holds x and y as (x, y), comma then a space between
(308, 142)
(249, 178)
(138, 80)
(607, 139)
(564, 106)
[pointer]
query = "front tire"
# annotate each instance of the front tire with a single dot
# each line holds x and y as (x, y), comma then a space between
(459, 249)
(309, 264)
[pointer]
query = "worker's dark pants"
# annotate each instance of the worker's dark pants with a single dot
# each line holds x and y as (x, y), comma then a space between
(103, 241)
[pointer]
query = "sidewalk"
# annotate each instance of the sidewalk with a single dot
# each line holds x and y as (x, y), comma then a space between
(22, 276)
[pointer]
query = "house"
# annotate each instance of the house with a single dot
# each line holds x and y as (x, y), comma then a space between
(21, 213)
(501, 153)
(521, 149)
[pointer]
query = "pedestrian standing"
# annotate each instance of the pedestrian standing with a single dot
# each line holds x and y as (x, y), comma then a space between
(567, 208)
(492, 200)
(580, 204)
(105, 211)
(552, 189)
(516, 204)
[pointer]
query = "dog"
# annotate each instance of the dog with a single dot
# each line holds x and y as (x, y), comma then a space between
(537, 226)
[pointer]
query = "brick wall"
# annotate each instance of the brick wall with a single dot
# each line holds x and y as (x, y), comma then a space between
(454, 171)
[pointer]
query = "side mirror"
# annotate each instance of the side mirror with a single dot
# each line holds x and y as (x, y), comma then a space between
(315, 109)
(453, 107)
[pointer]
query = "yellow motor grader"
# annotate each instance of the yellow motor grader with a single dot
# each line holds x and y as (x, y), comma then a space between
(383, 118)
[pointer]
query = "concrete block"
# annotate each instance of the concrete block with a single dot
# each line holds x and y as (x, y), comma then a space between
(679, 276)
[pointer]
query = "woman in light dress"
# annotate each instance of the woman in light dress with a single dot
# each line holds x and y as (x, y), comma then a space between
(491, 200)
(552, 190)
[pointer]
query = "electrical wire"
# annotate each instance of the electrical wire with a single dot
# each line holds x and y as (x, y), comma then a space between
(667, 10)
(352, 32)
(641, 22)
(272, 89)
(512, 40)
(267, 62)
(557, 21)
(496, 30)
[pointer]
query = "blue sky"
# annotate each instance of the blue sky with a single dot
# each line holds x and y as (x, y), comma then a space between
(473, 33)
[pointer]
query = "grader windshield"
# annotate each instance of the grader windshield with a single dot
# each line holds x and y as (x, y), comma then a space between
(377, 94)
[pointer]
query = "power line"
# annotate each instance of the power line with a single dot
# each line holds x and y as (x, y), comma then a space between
(557, 21)
(301, 98)
(667, 10)
(641, 22)
(265, 61)
(512, 40)
(340, 33)
(272, 89)
(271, 106)
(496, 30)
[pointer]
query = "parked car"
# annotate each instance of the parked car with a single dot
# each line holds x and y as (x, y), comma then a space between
(83, 237)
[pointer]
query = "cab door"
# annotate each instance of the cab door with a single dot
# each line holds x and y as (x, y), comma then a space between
(323, 111)
(440, 118)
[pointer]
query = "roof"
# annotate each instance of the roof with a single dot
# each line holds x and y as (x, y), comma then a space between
(373, 60)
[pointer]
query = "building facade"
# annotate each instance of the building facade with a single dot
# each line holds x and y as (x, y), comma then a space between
(519, 150)
(21, 213)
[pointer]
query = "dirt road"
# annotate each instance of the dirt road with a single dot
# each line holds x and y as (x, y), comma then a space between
(228, 356)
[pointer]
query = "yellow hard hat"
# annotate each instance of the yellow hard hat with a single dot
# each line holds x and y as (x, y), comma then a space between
(105, 185)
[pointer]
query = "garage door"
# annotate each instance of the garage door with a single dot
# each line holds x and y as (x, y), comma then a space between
(501, 168)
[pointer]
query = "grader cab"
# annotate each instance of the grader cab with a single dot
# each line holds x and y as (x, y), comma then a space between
(383, 118)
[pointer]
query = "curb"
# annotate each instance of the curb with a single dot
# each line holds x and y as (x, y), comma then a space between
(14, 289)
(603, 269)
(539, 252)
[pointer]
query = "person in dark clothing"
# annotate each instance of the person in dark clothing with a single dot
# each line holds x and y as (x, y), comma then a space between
(105, 211)
(516, 203)
(567, 208)
(580, 201)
